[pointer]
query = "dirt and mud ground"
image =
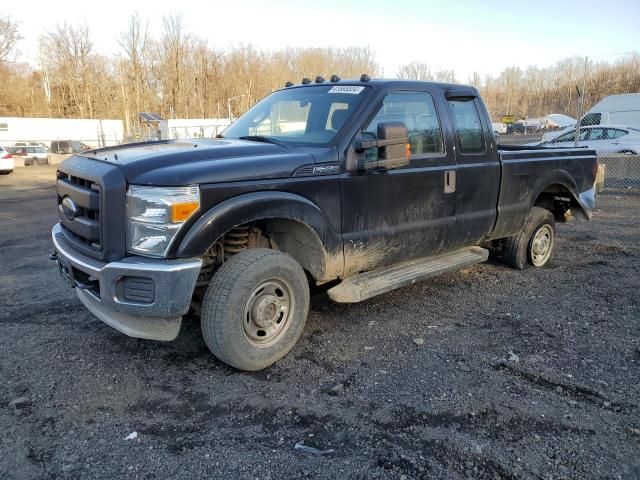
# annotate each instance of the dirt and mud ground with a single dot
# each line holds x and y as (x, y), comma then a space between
(484, 373)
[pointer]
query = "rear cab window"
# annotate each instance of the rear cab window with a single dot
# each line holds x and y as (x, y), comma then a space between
(469, 131)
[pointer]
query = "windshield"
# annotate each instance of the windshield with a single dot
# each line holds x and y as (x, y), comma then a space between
(305, 115)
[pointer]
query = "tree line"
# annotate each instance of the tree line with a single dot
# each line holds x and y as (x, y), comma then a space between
(537, 92)
(180, 75)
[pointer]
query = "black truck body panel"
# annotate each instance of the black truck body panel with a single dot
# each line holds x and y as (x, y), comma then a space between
(358, 220)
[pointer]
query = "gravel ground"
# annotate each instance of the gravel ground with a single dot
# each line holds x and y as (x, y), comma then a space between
(483, 373)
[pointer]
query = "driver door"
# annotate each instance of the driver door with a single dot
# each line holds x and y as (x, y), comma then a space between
(404, 213)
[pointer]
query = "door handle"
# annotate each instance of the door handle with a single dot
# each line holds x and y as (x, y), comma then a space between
(449, 181)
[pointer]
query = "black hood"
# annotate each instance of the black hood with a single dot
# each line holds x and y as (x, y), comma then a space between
(190, 162)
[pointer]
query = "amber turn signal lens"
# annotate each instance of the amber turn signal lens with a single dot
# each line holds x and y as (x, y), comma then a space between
(407, 149)
(182, 211)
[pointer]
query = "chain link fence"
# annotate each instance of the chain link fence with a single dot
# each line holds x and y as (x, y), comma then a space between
(621, 171)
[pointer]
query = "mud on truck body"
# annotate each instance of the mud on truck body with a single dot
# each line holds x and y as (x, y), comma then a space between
(361, 186)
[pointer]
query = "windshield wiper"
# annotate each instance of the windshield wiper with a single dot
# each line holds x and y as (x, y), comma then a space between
(261, 138)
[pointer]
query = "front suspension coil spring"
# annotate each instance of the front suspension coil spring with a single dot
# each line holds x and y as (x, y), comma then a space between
(236, 240)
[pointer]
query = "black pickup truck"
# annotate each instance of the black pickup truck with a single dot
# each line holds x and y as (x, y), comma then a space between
(358, 186)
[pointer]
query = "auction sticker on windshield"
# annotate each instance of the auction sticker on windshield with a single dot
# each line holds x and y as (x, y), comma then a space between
(351, 89)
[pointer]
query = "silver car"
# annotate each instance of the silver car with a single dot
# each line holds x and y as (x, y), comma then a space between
(30, 153)
(602, 139)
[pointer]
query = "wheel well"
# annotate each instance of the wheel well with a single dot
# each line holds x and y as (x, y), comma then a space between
(559, 200)
(289, 236)
(300, 241)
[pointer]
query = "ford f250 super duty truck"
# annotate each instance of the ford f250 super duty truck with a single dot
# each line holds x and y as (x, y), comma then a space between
(359, 186)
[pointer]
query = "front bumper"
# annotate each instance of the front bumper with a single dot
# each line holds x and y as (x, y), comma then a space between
(141, 297)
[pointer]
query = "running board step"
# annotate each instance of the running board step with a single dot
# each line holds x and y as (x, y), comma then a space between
(369, 284)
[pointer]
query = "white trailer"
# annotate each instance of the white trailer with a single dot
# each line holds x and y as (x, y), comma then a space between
(92, 132)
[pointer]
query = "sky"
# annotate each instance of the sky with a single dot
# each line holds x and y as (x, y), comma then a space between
(465, 36)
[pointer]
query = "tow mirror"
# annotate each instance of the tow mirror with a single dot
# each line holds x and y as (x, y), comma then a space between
(393, 149)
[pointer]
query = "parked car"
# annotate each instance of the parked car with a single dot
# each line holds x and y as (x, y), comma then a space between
(31, 154)
(363, 186)
(602, 139)
(67, 146)
(59, 150)
(521, 127)
(499, 128)
(30, 144)
(7, 163)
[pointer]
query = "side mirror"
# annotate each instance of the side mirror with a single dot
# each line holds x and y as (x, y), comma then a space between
(393, 149)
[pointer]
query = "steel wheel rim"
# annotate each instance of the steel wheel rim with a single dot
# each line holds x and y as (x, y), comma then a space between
(268, 312)
(541, 245)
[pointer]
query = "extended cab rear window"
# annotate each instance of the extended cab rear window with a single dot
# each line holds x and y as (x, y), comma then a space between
(468, 126)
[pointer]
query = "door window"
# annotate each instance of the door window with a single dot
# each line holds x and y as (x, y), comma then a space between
(417, 111)
(615, 132)
(570, 137)
(598, 134)
(468, 126)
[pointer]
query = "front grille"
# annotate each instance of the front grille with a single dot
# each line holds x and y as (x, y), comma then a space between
(84, 227)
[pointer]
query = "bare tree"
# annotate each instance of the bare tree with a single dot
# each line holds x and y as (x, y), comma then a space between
(173, 47)
(181, 75)
(135, 43)
(66, 55)
(415, 71)
(9, 37)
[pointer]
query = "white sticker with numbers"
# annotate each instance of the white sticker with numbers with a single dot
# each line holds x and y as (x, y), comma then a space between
(350, 89)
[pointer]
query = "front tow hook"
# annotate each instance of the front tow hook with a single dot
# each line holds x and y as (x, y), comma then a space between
(53, 256)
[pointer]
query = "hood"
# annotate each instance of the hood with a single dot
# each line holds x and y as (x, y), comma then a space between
(190, 162)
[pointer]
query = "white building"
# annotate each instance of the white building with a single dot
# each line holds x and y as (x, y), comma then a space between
(92, 132)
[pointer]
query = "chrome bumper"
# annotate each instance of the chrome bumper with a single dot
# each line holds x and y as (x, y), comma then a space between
(108, 290)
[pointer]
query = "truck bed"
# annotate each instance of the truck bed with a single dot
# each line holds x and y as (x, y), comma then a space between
(529, 171)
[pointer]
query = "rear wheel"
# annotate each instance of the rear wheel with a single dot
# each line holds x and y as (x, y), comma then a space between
(255, 308)
(535, 243)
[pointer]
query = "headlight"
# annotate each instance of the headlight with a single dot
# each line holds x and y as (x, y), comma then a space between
(155, 214)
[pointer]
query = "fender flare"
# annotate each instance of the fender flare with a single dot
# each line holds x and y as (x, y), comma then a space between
(582, 203)
(255, 206)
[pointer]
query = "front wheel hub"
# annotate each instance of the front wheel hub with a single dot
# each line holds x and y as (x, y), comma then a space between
(267, 313)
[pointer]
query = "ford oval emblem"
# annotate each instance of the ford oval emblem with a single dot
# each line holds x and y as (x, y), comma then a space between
(69, 208)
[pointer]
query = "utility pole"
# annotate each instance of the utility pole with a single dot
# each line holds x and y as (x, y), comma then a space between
(229, 105)
(581, 95)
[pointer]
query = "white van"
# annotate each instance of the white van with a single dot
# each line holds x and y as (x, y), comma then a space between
(614, 110)
(623, 109)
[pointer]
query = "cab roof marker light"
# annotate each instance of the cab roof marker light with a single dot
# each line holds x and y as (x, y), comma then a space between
(288, 84)
(319, 79)
(334, 78)
(306, 81)
(364, 77)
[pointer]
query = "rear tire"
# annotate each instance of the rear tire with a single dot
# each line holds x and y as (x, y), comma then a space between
(534, 246)
(255, 308)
